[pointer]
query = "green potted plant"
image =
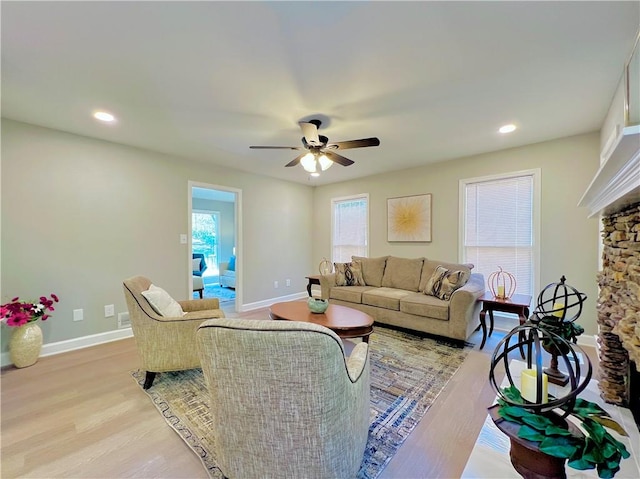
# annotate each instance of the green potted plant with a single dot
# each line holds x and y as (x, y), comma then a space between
(590, 446)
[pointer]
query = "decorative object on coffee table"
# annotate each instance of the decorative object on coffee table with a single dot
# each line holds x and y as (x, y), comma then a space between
(317, 306)
(559, 306)
(502, 284)
(542, 439)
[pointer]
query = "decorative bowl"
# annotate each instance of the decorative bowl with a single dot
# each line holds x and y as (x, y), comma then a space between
(318, 306)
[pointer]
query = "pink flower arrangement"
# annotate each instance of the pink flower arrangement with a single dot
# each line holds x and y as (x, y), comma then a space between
(19, 313)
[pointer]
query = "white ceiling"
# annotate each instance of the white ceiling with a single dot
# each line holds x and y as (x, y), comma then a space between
(205, 80)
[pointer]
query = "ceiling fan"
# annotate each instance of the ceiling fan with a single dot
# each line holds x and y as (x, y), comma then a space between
(320, 154)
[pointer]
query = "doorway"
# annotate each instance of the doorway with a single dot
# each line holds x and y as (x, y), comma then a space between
(214, 213)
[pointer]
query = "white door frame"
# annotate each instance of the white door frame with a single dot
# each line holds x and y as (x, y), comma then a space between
(238, 234)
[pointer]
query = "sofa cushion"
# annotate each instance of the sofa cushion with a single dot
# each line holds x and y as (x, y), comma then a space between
(423, 305)
(430, 266)
(402, 273)
(162, 303)
(348, 274)
(444, 282)
(372, 269)
(352, 294)
(231, 266)
(388, 298)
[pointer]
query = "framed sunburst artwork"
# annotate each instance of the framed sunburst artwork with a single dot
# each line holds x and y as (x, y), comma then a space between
(409, 218)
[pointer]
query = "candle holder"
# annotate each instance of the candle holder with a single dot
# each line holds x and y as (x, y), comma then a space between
(543, 440)
(529, 339)
(326, 267)
(502, 284)
(559, 306)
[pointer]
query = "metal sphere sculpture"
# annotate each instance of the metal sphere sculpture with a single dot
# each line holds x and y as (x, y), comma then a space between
(559, 306)
(528, 340)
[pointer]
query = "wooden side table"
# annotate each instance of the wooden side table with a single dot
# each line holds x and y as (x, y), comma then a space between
(516, 304)
(313, 279)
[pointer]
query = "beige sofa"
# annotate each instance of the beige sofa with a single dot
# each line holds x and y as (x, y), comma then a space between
(394, 293)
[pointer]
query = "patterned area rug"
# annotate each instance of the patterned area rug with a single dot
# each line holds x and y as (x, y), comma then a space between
(407, 374)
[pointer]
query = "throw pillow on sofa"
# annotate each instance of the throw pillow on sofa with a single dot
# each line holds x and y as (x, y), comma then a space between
(348, 274)
(444, 282)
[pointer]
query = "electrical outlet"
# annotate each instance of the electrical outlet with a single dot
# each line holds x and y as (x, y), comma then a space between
(78, 314)
(109, 311)
(288, 282)
(275, 284)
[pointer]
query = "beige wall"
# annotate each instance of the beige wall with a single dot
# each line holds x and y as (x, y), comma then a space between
(569, 240)
(80, 215)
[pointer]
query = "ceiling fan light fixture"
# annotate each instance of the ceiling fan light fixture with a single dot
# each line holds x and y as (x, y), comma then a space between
(325, 163)
(308, 162)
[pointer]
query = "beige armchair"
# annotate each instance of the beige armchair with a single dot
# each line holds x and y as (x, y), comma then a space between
(285, 401)
(165, 343)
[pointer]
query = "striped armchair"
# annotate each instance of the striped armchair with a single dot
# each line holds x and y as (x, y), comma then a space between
(285, 401)
(166, 343)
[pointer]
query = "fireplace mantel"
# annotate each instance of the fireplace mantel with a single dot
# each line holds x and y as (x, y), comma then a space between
(617, 183)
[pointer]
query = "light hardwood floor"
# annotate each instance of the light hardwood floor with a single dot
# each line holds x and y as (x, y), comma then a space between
(81, 415)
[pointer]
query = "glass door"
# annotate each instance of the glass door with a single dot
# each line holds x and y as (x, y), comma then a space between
(204, 240)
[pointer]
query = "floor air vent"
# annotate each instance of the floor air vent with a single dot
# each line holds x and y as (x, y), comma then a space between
(123, 320)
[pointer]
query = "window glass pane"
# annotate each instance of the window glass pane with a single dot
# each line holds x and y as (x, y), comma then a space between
(350, 227)
(498, 232)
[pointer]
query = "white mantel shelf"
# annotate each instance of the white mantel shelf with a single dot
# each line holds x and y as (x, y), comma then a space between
(617, 182)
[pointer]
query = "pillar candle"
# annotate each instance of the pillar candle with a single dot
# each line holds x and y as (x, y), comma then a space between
(529, 386)
(500, 291)
(558, 309)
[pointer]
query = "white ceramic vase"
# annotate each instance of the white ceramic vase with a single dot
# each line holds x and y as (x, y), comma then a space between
(25, 345)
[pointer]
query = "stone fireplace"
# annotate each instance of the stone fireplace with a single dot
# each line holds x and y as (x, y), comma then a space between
(619, 307)
(614, 195)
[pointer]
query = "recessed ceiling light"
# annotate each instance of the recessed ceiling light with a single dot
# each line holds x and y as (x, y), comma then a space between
(507, 128)
(314, 174)
(104, 116)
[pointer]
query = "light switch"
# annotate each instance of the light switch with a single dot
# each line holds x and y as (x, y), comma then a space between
(183, 239)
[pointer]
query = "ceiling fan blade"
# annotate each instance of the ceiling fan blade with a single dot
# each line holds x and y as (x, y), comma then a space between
(345, 145)
(341, 160)
(276, 147)
(310, 132)
(295, 161)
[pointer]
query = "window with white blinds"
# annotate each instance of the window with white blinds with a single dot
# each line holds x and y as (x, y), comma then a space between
(499, 226)
(350, 228)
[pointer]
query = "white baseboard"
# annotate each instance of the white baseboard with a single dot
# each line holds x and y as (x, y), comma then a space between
(76, 343)
(506, 323)
(269, 302)
(100, 338)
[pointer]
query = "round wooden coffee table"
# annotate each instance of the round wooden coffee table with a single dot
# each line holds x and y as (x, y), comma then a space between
(345, 322)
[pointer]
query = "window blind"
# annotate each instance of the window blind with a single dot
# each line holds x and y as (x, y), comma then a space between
(350, 228)
(499, 228)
